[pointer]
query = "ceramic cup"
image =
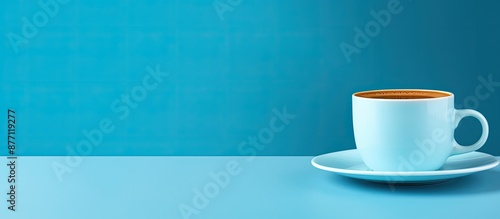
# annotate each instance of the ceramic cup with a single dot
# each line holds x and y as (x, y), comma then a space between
(410, 129)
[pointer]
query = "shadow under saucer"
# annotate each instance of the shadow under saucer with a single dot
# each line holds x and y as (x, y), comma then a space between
(483, 182)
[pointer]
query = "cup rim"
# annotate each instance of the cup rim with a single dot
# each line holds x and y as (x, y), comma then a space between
(450, 95)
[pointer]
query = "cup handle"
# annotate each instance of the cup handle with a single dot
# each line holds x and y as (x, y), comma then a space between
(459, 115)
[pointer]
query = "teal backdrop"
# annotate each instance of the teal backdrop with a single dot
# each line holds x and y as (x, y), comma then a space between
(212, 77)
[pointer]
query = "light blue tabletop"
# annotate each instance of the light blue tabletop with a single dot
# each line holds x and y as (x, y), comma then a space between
(229, 187)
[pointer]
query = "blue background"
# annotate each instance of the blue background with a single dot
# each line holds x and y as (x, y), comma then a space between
(227, 75)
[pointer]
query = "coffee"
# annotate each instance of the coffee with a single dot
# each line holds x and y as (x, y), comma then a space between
(402, 94)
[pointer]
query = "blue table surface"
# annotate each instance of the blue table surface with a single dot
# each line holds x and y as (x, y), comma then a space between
(243, 187)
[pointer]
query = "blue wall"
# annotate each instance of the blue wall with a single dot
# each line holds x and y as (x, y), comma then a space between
(229, 67)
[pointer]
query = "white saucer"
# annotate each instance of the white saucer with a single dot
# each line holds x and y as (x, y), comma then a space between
(349, 163)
